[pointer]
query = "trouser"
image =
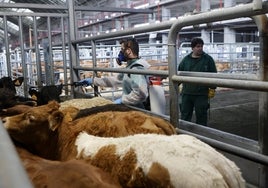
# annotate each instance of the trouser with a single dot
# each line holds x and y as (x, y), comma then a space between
(199, 103)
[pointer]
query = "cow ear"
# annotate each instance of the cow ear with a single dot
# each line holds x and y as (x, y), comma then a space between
(55, 120)
(30, 116)
(53, 105)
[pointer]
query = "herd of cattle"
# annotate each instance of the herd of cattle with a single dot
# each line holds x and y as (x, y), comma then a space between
(101, 144)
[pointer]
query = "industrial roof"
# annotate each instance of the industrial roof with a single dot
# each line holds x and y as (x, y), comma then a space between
(14, 7)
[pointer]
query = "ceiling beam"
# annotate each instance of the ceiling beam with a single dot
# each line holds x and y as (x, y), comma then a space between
(33, 6)
(113, 9)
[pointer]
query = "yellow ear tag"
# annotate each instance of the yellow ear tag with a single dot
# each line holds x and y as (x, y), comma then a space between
(17, 83)
(34, 97)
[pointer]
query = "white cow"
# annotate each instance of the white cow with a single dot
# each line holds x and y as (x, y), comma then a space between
(169, 161)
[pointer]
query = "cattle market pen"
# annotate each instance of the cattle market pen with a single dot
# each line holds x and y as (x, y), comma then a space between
(254, 153)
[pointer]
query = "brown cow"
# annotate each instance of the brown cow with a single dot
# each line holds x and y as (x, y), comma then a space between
(48, 173)
(69, 174)
(46, 130)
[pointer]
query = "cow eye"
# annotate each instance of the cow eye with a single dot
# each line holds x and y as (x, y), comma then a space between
(30, 116)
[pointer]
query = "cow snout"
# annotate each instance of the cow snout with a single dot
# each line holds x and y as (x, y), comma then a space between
(4, 120)
(7, 124)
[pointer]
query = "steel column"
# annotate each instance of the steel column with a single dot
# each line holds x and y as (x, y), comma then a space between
(262, 24)
(7, 46)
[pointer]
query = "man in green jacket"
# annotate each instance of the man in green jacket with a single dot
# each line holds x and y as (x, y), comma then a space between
(194, 96)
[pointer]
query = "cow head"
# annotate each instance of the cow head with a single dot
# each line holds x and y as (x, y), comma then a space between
(35, 125)
(34, 93)
(7, 98)
(46, 93)
(7, 82)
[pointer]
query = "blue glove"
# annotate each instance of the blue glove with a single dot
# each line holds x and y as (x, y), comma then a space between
(84, 82)
(118, 101)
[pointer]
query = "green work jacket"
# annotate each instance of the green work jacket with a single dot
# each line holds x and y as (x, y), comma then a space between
(203, 64)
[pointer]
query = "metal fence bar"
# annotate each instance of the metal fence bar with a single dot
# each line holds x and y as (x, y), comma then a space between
(119, 70)
(7, 46)
(230, 83)
(219, 75)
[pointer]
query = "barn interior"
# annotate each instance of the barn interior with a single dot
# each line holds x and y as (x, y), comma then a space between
(53, 42)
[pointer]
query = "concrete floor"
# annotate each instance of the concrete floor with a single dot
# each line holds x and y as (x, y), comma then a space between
(236, 112)
(233, 111)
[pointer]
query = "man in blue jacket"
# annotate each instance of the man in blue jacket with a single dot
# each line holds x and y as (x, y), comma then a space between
(194, 96)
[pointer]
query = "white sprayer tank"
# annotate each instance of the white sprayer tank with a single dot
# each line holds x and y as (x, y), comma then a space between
(157, 96)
